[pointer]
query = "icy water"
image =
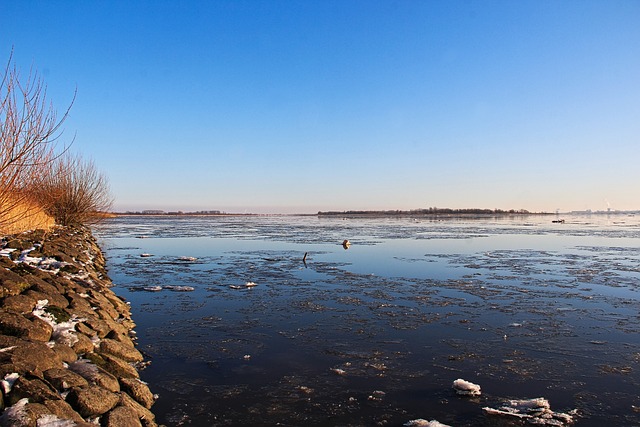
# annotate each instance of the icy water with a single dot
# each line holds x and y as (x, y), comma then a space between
(377, 333)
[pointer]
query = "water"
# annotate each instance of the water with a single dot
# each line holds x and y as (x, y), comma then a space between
(376, 334)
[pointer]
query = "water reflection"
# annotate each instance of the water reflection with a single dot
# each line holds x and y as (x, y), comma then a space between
(377, 333)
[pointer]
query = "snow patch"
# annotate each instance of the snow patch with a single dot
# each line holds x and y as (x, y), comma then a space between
(8, 382)
(63, 332)
(53, 421)
(16, 414)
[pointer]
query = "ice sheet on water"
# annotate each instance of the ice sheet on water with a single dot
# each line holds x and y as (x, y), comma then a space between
(394, 331)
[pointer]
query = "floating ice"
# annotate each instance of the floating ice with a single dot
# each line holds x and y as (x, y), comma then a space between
(187, 258)
(535, 411)
(466, 388)
(247, 285)
(177, 288)
(152, 288)
(424, 423)
(146, 255)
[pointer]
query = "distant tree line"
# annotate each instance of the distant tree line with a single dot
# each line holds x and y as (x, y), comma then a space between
(432, 211)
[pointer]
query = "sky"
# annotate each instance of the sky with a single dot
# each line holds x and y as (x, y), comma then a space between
(299, 106)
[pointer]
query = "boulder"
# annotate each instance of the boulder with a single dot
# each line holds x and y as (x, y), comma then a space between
(121, 416)
(92, 401)
(121, 350)
(20, 304)
(33, 389)
(138, 390)
(64, 379)
(63, 410)
(19, 326)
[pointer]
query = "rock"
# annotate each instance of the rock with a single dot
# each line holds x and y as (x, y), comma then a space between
(37, 354)
(83, 345)
(64, 379)
(54, 299)
(145, 415)
(95, 375)
(119, 349)
(114, 365)
(121, 416)
(19, 326)
(33, 389)
(63, 410)
(23, 414)
(138, 390)
(65, 353)
(20, 304)
(92, 401)
(100, 327)
(34, 337)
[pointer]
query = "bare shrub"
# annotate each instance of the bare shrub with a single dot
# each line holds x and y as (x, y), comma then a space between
(29, 131)
(73, 191)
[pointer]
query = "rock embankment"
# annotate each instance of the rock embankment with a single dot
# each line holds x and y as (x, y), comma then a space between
(67, 357)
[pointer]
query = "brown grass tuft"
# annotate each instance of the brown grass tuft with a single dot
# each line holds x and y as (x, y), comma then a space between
(24, 216)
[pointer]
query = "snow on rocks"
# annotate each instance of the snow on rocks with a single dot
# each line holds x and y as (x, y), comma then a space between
(535, 411)
(7, 382)
(58, 317)
(466, 388)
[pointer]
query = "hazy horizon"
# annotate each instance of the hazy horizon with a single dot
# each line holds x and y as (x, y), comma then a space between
(295, 107)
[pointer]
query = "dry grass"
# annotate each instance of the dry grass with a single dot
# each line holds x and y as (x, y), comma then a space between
(24, 216)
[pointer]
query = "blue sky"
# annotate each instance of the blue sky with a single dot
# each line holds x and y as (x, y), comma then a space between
(300, 106)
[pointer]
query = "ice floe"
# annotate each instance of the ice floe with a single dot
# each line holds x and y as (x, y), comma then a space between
(535, 411)
(466, 388)
(247, 285)
(424, 423)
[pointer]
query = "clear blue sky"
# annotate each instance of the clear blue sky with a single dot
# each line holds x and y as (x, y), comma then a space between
(300, 106)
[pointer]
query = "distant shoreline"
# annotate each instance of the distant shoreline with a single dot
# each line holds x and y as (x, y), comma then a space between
(428, 213)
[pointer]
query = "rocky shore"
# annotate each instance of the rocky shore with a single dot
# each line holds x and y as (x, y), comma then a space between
(67, 349)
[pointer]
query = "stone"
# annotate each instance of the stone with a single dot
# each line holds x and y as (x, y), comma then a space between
(64, 379)
(11, 283)
(33, 389)
(92, 401)
(83, 345)
(20, 304)
(95, 374)
(63, 410)
(53, 299)
(19, 326)
(66, 353)
(121, 350)
(114, 365)
(99, 326)
(23, 414)
(77, 302)
(121, 416)
(37, 354)
(138, 390)
(145, 415)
